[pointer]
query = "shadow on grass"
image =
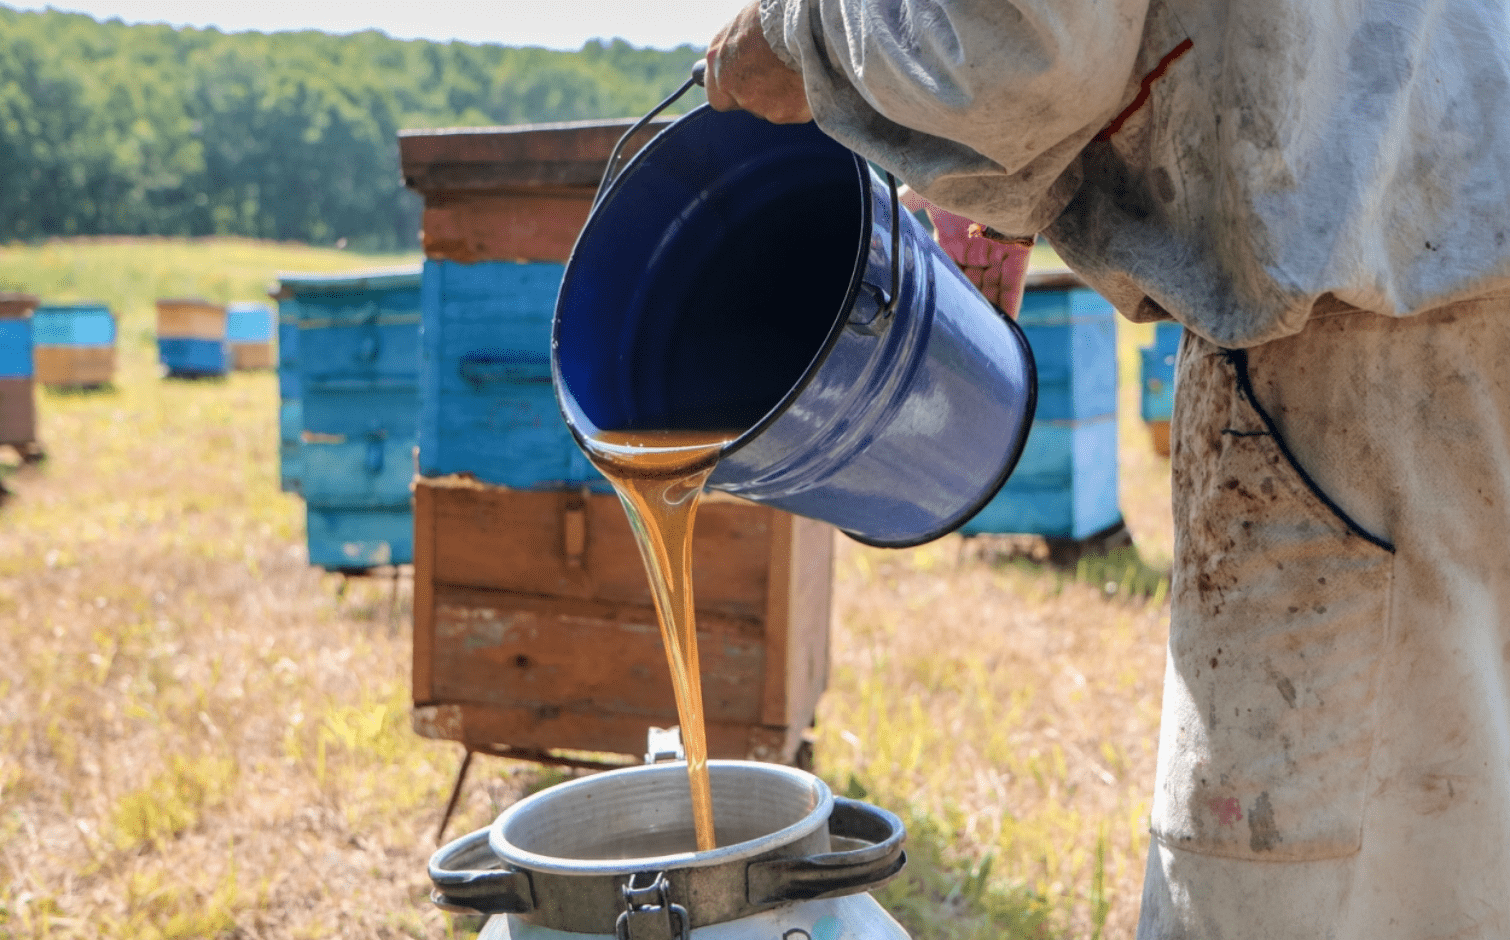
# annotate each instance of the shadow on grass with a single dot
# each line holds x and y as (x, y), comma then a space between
(1115, 566)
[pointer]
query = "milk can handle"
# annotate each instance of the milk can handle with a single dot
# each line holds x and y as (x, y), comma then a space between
(468, 879)
(783, 880)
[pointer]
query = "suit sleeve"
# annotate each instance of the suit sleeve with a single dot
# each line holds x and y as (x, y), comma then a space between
(983, 106)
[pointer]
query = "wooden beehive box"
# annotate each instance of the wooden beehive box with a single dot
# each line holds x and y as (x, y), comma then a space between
(191, 337)
(357, 365)
(249, 336)
(1065, 484)
(18, 402)
(73, 344)
(1157, 385)
(534, 629)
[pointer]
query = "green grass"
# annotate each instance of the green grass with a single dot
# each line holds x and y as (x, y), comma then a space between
(200, 736)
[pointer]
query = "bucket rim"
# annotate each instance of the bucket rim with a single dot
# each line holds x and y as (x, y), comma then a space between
(750, 849)
(571, 412)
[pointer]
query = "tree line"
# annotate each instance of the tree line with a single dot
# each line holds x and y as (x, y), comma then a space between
(115, 129)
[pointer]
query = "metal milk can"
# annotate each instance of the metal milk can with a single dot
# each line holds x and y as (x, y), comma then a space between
(611, 856)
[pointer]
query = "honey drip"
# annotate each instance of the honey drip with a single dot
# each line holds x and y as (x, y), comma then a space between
(659, 477)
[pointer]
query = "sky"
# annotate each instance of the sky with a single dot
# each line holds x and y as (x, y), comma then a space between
(555, 24)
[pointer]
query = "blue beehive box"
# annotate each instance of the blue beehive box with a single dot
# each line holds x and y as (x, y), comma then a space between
(18, 403)
(487, 406)
(1157, 385)
(1158, 371)
(73, 344)
(15, 338)
(290, 407)
(356, 362)
(1065, 484)
(249, 336)
(191, 339)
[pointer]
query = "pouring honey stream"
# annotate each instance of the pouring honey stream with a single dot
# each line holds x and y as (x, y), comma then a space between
(659, 477)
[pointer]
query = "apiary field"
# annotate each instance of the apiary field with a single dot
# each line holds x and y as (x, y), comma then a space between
(201, 736)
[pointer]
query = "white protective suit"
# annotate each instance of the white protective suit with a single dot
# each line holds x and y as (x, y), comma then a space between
(1319, 190)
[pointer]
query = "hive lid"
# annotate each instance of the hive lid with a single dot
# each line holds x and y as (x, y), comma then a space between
(294, 284)
(15, 305)
(528, 157)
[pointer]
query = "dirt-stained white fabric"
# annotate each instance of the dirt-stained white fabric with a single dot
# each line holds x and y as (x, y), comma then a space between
(1231, 164)
(1334, 758)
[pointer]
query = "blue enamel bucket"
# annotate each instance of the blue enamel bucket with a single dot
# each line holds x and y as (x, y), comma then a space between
(760, 278)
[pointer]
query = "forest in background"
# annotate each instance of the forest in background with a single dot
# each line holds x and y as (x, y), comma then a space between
(115, 129)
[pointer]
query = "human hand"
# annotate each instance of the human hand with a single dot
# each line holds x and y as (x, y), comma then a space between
(745, 74)
(998, 268)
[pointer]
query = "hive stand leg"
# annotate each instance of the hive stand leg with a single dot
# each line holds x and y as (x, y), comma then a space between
(461, 778)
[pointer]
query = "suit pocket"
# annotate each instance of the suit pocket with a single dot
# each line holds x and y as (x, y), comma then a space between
(1280, 613)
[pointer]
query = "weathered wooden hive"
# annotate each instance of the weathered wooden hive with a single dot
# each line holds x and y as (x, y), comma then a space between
(357, 367)
(534, 630)
(1157, 386)
(191, 339)
(1065, 484)
(249, 336)
(18, 400)
(73, 344)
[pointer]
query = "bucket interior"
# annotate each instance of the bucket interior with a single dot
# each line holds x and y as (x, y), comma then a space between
(647, 813)
(711, 277)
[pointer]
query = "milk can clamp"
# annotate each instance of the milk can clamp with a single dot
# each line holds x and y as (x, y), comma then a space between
(649, 913)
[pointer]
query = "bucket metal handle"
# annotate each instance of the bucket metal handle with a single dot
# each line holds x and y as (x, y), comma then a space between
(468, 879)
(698, 76)
(875, 862)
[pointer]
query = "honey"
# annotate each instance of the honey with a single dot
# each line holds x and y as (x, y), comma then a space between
(659, 477)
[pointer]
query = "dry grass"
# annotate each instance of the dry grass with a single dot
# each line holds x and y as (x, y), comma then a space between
(202, 737)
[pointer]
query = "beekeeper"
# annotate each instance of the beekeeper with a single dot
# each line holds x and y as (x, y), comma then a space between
(1319, 191)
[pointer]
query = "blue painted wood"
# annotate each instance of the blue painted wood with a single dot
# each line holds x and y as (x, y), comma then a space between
(487, 406)
(1158, 372)
(345, 539)
(84, 324)
(1073, 334)
(290, 439)
(290, 407)
(349, 364)
(192, 357)
(356, 326)
(248, 323)
(1065, 485)
(15, 348)
(357, 472)
(288, 356)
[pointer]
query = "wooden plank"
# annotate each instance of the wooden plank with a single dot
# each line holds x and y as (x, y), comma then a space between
(578, 726)
(516, 651)
(521, 155)
(811, 611)
(778, 620)
(18, 411)
(14, 305)
(503, 227)
(73, 365)
(190, 319)
(424, 593)
(514, 541)
(253, 356)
